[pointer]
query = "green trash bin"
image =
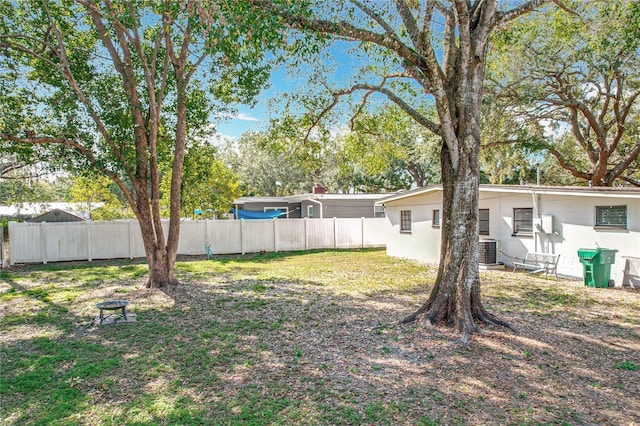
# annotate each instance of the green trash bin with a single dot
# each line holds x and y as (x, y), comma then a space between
(596, 266)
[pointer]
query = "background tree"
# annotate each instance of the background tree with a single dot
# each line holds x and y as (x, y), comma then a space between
(267, 168)
(507, 155)
(572, 81)
(10, 165)
(97, 195)
(23, 190)
(388, 141)
(426, 53)
(120, 86)
(208, 184)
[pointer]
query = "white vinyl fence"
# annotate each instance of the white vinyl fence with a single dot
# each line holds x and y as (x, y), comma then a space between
(52, 242)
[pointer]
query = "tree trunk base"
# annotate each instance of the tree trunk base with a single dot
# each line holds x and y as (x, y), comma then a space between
(171, 282)
(430, 315)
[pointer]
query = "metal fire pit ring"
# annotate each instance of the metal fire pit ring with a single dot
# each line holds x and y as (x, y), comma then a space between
(112, 305)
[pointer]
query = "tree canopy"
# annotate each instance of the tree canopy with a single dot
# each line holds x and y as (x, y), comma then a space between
(120, 87)
(571, 85)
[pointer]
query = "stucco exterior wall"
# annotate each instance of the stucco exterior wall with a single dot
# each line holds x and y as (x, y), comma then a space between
(423, 242)
(573, 219)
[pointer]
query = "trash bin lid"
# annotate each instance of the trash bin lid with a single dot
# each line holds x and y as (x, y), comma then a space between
(585, 253)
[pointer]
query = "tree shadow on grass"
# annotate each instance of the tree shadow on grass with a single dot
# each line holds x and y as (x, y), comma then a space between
(564, 365)
(43, 357)
(263, 350)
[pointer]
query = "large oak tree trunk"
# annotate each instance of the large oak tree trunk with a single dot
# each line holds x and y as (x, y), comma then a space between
(455, 298)
(451, 73)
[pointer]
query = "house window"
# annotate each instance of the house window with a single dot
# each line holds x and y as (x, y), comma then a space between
(522, 221)
(284, 210)
(405, 220)
(611, 216)
(309, 211)
(436, 219)
(378, 211)
(483, 219)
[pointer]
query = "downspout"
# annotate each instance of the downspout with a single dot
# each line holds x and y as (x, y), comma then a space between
(537, 218)
(316, 201)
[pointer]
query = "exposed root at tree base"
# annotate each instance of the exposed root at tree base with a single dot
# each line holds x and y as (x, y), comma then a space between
(487, 318)
(428, 324)
(171, 283)
(427, 319)
(462, 342)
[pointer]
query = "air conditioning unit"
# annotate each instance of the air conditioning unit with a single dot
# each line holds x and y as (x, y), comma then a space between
(488, 252)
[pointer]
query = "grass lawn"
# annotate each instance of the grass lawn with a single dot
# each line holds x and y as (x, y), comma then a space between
(309, 338)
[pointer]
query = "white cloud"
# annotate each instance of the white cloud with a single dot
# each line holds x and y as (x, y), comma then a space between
(241, 116)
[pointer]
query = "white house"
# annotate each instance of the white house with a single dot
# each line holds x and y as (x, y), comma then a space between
(523, 219)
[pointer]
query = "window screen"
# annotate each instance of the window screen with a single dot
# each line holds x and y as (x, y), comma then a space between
(405, 220)
(614, 216)
(523, 221)
(483, 218)
(436, 218)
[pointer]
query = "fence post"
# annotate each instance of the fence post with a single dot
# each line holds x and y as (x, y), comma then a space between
(11, 235)
(362, 222)
(1, 247)
(43, 235)
(335, 232)
(130, 240)
(89, 240)
(306, 233)
(275, 236)
(242, 236)
(206, 234)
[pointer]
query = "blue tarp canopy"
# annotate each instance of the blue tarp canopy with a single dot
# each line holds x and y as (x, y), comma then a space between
(246, 214)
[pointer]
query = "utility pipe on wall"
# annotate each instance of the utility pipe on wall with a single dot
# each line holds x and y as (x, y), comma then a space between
(316, 201)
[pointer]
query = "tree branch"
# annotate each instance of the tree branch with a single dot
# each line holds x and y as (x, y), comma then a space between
(509, 15)
(410, 23)
(632, 181)
(373, 15)
(341, 28)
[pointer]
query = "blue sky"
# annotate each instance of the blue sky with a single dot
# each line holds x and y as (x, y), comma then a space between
(282, 82)
(257, 117)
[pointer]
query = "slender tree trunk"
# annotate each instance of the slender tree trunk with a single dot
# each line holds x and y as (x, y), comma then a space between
(159, 258)
(160, 255)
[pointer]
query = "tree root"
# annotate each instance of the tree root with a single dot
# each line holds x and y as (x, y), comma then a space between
(425, 318)
(462, 342)
(487, 318)
(428, 324)
(173, 282)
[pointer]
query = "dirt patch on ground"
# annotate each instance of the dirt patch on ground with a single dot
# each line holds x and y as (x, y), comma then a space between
(261, 346)
(572, 360)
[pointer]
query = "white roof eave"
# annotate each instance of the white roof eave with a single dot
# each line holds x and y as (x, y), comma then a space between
(574, 191)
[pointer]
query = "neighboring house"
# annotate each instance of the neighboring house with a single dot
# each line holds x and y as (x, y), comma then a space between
(59, 215)
(25, 209)
(520, 219)
(316, 205)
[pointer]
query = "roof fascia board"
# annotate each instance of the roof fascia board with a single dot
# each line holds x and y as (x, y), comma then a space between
(587, 192)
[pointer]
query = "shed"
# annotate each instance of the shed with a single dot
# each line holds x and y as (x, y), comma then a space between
(59, 215)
